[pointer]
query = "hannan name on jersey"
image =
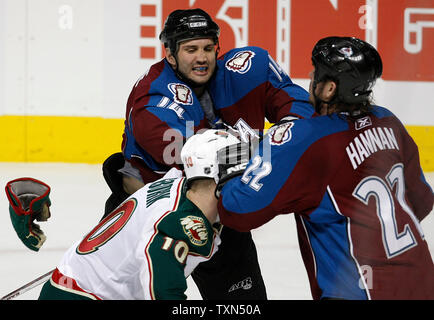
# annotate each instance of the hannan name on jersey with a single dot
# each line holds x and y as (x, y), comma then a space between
(368, 142)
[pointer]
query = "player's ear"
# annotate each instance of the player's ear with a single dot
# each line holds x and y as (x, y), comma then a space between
(329, 90)
(170, 58)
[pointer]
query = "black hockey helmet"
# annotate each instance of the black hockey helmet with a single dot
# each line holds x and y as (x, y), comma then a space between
(182, 25)
(352, 63)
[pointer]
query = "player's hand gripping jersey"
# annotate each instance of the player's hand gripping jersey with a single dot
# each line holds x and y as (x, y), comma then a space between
(248, 87)
(358, 210)
(144, 249)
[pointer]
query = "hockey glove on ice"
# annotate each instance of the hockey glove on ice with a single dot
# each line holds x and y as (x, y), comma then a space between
(28, 201)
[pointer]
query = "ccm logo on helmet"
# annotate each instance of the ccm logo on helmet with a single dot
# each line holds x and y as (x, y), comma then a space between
(199, 24)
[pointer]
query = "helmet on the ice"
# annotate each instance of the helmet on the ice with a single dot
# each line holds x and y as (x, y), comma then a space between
(183, 25)
(350, 62)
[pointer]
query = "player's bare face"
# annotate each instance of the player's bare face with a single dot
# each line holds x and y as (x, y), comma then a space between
(197, 60)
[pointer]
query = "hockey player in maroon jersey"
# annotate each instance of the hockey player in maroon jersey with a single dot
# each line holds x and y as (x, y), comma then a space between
(189, 90)
(353, 180)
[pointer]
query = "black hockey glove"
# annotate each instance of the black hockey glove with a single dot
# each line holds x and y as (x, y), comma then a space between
(232, 162)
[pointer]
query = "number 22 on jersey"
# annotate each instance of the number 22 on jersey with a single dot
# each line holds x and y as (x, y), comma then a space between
(395, 242)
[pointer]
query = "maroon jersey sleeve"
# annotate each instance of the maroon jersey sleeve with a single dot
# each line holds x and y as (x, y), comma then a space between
(416, 185)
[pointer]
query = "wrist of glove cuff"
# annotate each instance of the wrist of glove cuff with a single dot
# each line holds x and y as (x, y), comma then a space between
(232, 162)
(229, 174)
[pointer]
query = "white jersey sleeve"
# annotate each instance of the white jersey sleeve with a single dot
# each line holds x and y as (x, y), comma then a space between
(145, 248)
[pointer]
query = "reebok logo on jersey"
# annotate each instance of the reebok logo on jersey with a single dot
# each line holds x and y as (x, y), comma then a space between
(194, 227)
(181, 93)
(363, 123)
(240, 62)
(281, 134)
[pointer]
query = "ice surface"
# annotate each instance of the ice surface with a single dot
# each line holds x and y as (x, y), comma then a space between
(78, 196)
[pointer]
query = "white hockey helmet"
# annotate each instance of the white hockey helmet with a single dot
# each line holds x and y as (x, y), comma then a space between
(199, 154)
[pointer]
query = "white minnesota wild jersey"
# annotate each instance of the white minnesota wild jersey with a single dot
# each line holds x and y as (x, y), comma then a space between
(144, 249)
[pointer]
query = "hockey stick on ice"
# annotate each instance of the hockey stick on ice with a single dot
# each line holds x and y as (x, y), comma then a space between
(28, 286)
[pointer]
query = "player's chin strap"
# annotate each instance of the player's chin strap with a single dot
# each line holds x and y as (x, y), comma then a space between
(335, 100)
(29, 201)
(319, 102)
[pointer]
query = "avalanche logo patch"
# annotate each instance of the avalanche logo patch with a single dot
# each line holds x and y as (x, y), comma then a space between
(181, 93)
(346, 51)
(240, 62)
(281, 134)
(194, 227)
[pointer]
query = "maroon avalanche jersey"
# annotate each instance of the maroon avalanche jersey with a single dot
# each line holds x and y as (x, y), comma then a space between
(247, 88)
(358, 194)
